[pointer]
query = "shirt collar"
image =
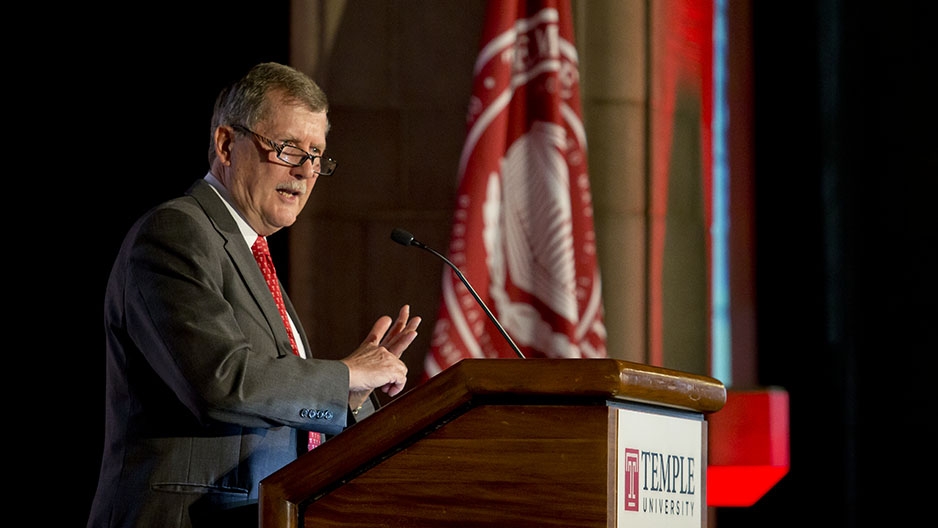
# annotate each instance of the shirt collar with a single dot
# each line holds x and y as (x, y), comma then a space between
(250, 236)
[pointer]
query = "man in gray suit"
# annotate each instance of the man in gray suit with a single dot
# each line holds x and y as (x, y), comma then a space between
(206, 395)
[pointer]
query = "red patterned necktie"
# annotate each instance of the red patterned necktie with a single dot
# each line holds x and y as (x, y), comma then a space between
(262, 256)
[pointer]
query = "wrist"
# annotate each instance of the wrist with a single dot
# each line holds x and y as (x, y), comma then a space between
(357, 400)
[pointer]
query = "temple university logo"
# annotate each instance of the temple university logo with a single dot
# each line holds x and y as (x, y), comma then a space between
(523, 221)
(659, 483)
(631, 480)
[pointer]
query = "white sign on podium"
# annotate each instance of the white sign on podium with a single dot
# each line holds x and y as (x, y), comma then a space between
(660, 475)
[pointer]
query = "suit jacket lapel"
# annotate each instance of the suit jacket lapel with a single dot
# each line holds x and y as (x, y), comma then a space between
(244, 262)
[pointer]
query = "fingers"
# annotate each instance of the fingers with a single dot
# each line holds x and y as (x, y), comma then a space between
(376, 363)
(402, 315)
(400, 342)
(400, 324)
(379, 329)
(382, 331)
(393, 389)
(402, 334)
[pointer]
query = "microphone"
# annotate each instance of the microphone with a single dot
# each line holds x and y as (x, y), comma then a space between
(406, 239)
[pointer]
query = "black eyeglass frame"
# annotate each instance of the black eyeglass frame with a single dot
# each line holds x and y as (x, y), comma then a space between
(325, 163)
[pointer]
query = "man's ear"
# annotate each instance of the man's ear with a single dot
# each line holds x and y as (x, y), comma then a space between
(224, 137)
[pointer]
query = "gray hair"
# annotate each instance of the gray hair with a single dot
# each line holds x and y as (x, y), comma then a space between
(245, 102)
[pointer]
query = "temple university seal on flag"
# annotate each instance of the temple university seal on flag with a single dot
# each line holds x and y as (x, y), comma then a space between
(523, 227)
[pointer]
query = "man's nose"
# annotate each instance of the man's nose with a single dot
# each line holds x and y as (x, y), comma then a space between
(305, 171)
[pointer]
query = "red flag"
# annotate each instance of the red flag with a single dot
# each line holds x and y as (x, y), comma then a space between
(523, 223)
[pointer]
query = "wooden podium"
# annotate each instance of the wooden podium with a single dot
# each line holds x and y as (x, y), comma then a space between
(511, 442)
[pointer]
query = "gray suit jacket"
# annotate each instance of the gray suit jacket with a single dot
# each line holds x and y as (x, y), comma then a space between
(204, 395)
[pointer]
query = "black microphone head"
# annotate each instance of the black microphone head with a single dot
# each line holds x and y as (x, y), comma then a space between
(402, 237)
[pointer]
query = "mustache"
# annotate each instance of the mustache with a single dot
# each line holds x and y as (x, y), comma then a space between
(295, 187)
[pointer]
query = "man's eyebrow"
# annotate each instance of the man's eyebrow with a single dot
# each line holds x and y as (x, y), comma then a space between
(296, 143)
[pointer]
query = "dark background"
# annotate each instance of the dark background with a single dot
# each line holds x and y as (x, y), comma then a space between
(845, 117)
(117, 120)
(127, 102)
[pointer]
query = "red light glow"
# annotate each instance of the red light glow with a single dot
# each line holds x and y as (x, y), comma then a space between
(748, 446)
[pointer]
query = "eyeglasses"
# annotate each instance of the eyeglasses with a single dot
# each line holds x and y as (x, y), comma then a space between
(295, 156)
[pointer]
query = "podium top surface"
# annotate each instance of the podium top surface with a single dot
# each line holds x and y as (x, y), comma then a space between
(609, 378)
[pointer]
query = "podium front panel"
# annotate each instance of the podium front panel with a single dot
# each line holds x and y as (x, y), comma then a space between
(496, 465)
